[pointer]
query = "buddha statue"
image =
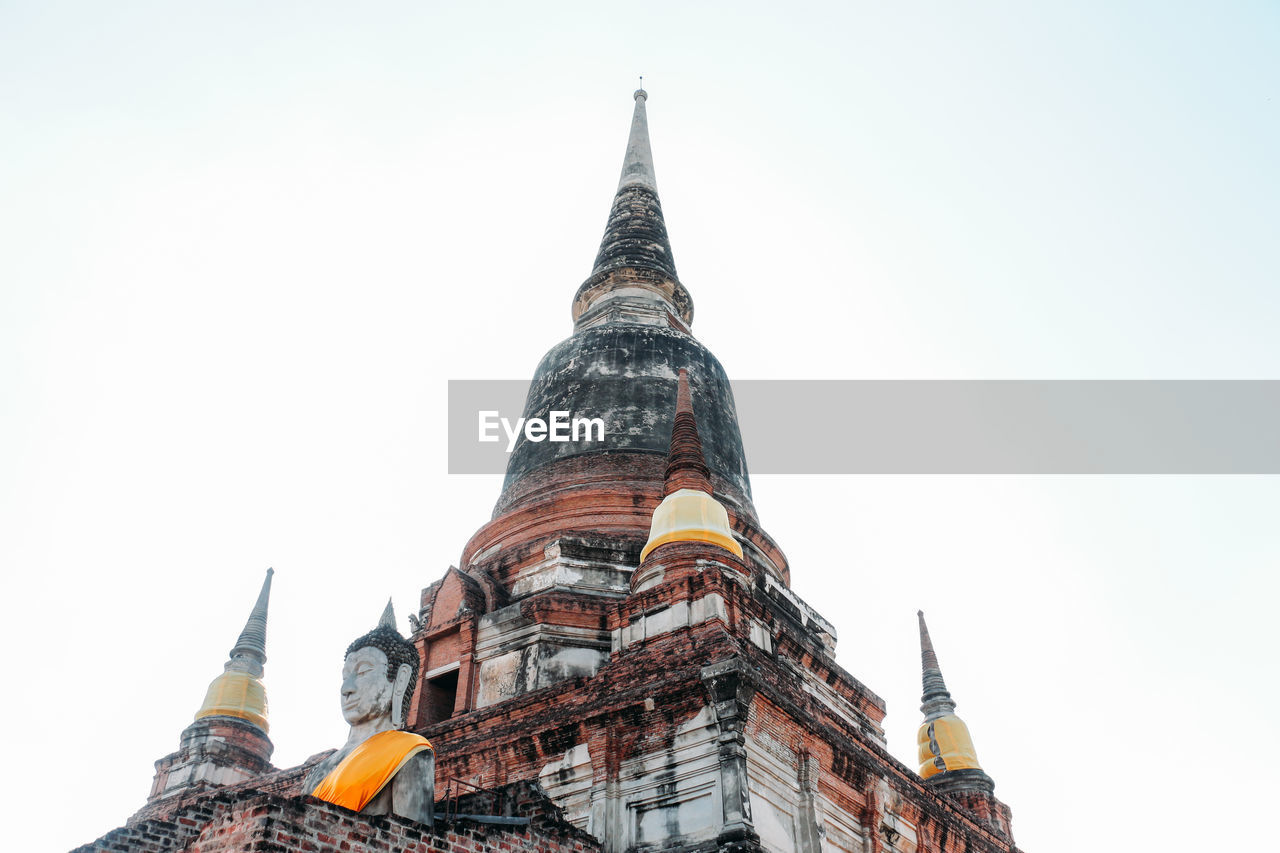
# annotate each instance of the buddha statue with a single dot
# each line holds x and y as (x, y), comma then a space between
(380, 769)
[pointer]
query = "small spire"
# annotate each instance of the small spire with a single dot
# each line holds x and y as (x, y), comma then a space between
(936, 700)
(253, 639)
(686, 465)
(945, 749)
(388, 619)
(238, 691)
(689, 512)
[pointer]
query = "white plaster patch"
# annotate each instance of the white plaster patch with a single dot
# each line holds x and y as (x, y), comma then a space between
(775, 825)
(515, 654)
(593, 576)
(695, 729)
(708, 607)
(178, 776)
(681, 614)
(569, 662)
(842, 833)
(774, 787)
(670, 818)
(498, 679)
(674, 794)
(568, 783)
(760, 636)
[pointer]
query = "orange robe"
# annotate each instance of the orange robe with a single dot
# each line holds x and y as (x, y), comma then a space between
(360, 776)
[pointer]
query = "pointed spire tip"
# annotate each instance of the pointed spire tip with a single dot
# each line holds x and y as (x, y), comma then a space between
(252, 641)
(637, 165)
(388, 619)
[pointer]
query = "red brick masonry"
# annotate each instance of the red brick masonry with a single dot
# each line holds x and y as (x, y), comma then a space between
(237, 821)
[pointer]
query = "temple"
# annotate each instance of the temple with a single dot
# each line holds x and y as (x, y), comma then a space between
(618, 657)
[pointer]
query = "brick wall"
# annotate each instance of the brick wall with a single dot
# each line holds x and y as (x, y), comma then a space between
(252, 820)
(864, 788)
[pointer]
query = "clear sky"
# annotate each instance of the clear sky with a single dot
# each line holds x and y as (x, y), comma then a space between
(244, 245)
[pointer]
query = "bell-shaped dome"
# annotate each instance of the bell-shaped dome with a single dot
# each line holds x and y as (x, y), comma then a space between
(624, 375)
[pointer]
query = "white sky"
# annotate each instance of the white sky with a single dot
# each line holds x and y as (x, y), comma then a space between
(243, 246)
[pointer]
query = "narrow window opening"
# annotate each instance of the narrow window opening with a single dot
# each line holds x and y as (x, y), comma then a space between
(441, 695)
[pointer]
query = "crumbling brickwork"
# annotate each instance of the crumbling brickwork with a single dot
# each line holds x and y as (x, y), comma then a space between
(243, 820)
(817, 772)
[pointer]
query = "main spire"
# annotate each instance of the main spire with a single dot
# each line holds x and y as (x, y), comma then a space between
(636, 234)
(634, 277)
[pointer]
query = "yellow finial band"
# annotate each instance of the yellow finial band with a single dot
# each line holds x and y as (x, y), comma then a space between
(945, 744)
(236, 694)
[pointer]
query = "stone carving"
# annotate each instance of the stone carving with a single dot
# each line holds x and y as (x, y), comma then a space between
(380, 769)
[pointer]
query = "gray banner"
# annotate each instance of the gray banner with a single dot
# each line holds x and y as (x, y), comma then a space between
(939, 427)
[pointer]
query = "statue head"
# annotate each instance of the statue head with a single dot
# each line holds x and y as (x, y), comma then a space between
(378, 675)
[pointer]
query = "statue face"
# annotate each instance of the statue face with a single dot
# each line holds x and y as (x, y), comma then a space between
(366, 692)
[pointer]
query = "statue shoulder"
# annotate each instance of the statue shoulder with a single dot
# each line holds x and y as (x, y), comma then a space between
(413, 788)
(322, 768)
